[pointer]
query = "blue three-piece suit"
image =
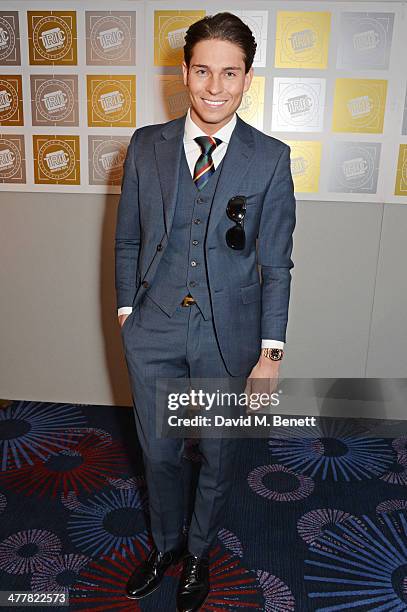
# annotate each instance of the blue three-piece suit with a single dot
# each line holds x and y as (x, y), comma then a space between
(170, 242)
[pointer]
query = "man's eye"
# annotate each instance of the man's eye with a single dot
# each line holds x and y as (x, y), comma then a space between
(201, 71)
(231, 73)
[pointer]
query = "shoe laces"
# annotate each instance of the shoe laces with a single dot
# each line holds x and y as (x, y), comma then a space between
(153, 556)
(192, 566)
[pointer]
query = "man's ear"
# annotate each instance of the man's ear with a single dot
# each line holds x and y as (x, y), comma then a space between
(184, 72)
(248, 79)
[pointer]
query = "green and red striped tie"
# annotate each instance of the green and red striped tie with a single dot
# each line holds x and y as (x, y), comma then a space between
(204, 167)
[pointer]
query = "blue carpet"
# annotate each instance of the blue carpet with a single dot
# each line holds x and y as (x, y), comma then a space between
(317, 523)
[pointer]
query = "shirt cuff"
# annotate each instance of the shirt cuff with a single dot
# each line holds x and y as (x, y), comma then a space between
(124, 310)
(265, 343)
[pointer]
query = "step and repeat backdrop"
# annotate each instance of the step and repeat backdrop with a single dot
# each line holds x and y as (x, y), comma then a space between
(76, 80)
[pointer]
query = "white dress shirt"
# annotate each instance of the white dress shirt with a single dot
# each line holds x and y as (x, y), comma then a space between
(192, 153)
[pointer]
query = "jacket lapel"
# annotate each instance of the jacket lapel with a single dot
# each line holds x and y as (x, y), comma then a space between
(235, 166)
(168, 152)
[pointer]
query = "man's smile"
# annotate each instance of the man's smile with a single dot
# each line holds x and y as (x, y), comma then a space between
(214, 102)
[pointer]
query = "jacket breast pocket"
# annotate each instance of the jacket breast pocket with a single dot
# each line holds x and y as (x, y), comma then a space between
(253, 199)
(250, 293)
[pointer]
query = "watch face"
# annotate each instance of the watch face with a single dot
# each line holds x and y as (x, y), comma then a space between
(276, 354)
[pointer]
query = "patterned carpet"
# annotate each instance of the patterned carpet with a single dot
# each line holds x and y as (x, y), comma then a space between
(316, 523)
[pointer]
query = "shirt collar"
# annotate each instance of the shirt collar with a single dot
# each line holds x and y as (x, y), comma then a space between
(191, 130)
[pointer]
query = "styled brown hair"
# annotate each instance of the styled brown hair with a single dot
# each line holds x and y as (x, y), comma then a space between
(222, 26)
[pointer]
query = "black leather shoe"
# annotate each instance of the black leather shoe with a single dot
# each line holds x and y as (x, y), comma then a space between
(193, 586)
(147, 577)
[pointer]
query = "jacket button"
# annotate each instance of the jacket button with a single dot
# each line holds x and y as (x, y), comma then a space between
(145, 284)
(159, 247)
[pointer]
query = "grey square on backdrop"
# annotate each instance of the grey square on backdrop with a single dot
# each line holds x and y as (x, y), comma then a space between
(54, 99)
(365, 40)
(106, 156)
(12, 158)
(110, 38)
(354, 167)
(9, 39)
(298, 104)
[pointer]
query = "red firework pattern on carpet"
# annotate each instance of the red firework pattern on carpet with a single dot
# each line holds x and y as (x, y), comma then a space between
(102, 585)
(84, 463)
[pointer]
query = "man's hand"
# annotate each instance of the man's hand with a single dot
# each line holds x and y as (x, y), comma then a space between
(122, 319)
(264, 376)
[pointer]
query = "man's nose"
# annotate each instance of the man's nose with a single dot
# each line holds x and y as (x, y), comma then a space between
(214, 85)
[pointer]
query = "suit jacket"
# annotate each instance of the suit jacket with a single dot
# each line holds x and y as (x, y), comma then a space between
(245, 307)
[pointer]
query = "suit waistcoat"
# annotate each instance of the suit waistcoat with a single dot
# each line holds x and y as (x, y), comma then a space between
(182, 268)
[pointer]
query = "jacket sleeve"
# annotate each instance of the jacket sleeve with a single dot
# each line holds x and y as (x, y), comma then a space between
(275, 243)
(127, 237)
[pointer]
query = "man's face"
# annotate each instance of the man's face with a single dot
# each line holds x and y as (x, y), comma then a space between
(216, 81)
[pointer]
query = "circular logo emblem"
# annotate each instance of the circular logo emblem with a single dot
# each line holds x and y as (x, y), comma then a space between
(10, 159)
(110, 38)
(355, 167)
(7, 39)
(172, 33)
(108, 158)
(52, 38)
(54, 100)
(300, 41)
(111, 100)
(370, 38)
(298, 105)
(364, 109)
(56, 159)
(8, 100)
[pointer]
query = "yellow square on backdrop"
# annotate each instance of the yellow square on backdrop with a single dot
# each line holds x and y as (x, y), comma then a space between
(251, 108)
(56, 159)
(173, 94)
(52, 38)
(302, 39)
(359, 105)
(111, 100)
(401, 176)
(11, 100)
(169, 31)
(305, 164)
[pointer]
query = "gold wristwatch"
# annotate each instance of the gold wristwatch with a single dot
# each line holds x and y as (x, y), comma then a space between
(274, 354)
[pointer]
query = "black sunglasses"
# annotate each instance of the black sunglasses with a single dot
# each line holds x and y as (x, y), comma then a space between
(236, 210)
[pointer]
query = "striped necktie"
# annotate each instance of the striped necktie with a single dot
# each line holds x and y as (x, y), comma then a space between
(204, 167)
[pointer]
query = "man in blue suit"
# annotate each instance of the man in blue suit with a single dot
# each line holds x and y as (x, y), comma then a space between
(199, 194)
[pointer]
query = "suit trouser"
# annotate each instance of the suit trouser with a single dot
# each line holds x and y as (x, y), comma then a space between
(182, 346)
